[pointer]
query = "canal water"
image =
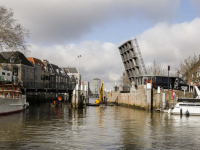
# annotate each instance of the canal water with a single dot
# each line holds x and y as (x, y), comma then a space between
(111, 127)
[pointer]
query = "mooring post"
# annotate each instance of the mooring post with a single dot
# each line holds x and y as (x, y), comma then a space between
(149, 96)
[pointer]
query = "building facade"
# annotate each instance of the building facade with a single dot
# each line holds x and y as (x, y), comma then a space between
(41, 73)
(22, 69)
(96, 85)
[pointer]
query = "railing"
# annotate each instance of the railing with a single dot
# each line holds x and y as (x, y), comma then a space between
(11, 96)
(62, 86)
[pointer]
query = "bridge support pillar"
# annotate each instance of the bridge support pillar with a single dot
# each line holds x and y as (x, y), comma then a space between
(77, 99)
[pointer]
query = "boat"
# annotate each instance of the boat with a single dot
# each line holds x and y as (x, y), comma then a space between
(56, 105)
(187, 106)
(11, 99)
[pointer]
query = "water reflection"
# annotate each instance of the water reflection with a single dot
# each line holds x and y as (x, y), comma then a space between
(111, 127)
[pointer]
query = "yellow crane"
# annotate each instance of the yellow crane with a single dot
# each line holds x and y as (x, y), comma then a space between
(101, 94)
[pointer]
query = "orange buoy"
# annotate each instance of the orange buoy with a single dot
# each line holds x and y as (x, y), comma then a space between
(59, 98)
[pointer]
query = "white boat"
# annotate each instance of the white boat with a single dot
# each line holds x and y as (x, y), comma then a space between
(11, 99)
(187, 106)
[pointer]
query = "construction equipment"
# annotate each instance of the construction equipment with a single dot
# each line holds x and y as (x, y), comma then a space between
(140, 57)
(101, 94)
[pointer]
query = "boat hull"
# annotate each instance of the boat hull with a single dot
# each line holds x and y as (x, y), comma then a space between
(12, 105)
(192, 108)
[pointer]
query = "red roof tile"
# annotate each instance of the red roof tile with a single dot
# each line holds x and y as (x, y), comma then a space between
(36, 61)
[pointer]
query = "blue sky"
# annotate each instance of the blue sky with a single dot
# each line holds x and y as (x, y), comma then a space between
(167, 32)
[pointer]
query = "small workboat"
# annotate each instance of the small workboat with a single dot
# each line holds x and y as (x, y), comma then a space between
(56, 105)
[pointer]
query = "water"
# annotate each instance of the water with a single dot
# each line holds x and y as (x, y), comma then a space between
(111, 127)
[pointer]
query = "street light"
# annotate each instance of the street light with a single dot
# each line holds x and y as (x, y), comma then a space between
(178, 73)
(79, 56)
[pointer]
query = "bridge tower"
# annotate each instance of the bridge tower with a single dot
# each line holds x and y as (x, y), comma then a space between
(130, 60)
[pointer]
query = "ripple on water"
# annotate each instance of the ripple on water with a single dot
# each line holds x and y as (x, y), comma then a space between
(43, 127)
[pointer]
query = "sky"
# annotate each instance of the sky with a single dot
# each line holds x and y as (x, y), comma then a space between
(167, 31)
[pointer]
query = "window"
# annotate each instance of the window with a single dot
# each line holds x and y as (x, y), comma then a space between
(56, 78)
(31, 73)
(3, 73)
(51, 79)
(35, 70)
(181, 82)
(23, 72)
(8, 74)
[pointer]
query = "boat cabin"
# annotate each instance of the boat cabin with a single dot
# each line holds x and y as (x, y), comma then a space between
(10, 91)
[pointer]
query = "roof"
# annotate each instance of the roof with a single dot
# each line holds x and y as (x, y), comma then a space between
(20, 58)
(96, 79)
(71, 70)
(36, 61)
(2, 59)
(55, 67)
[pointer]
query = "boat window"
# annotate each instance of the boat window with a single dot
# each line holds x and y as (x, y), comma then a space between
(191, 104)
(182, 105)
(197, 105)
(187, 105)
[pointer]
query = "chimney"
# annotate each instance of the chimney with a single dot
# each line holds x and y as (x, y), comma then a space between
(46, 61)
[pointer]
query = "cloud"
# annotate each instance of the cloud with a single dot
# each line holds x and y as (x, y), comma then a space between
(58, 22)
(101, 60)
(168, 43)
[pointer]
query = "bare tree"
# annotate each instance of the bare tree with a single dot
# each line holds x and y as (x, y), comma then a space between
(125, 80)
(188, 68)
(12, 34)
(156, 69)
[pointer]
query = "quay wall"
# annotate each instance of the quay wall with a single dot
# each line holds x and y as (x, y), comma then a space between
(141, 98)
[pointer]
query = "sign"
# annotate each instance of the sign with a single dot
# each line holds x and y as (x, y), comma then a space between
(158, 90)
(184, 88)
(148, 86)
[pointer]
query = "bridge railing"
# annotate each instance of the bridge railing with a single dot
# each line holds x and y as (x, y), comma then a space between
(62, 86)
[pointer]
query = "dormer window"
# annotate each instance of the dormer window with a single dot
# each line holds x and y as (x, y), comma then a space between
(12, 59)
(51, 70)
(57, 70)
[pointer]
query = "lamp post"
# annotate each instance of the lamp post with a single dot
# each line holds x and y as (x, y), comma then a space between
(178, 72)
(79, 56)
(168, 76)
